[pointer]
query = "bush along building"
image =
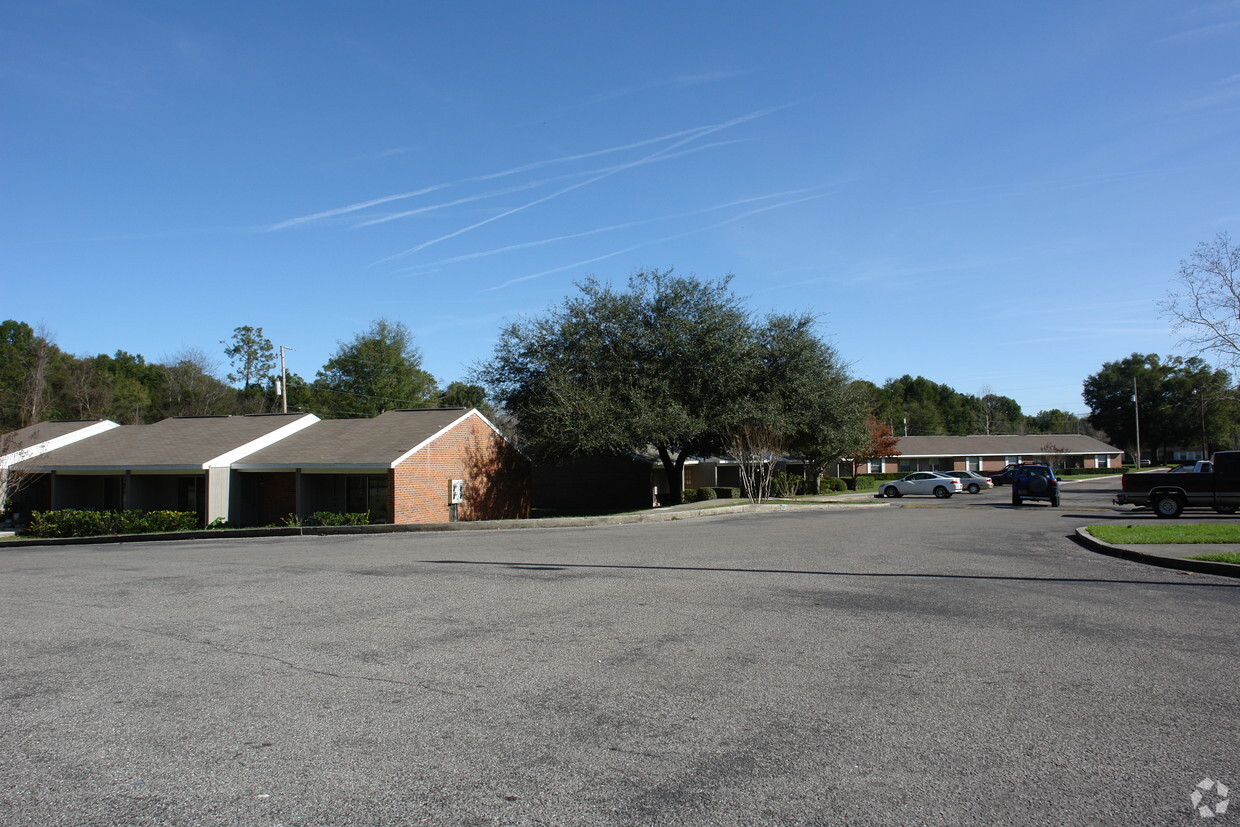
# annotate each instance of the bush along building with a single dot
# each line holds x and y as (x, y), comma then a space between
(428, 465)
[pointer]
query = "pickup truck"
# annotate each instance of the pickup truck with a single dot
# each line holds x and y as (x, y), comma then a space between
(1169, 494)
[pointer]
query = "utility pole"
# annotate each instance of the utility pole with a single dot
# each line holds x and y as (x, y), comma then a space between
(284, 380)
(1136, 412)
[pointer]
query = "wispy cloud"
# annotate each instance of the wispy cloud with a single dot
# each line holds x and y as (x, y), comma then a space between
(528, 186)
(361, 205)
(690, 136)
(671, 82)
(599, 230)
(1224, 27)
(631, 248)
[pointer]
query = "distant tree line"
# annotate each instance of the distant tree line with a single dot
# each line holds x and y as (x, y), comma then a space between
(379, 369)
(919, 407)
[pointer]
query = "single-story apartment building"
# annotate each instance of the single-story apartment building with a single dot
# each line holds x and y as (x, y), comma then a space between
(424, 465)
(991, 453)
(638, 480)
(405, 466)
(37, 440)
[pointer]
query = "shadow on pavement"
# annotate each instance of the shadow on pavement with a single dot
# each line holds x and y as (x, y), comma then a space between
(532, 566)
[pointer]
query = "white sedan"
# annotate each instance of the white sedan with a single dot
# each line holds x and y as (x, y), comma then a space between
(922, 482)
(972, 481)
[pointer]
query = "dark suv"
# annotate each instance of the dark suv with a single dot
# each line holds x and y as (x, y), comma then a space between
(1035, 482)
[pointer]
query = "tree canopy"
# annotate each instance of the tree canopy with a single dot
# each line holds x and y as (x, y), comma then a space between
(1183, 403)
(380, 369)
(673, 363)
(252, 356)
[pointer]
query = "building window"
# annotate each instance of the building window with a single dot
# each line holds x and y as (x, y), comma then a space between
(875, 466)
(1011, 460)
(367, 492)
(1102, 461)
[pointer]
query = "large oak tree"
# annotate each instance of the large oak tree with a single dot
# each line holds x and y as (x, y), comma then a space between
(673, 364)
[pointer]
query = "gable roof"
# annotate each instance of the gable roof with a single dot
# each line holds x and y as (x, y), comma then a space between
(42, 437)
(379, 442)
(1001, 445)
(177, 444)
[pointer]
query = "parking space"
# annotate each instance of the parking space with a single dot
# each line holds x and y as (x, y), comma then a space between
(773, 668)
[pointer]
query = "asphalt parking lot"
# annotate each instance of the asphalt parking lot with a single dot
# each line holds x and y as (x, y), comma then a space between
(934, 662)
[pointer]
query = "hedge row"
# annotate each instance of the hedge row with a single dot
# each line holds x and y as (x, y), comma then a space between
(330, 518)
(72, 522)
(697, 495)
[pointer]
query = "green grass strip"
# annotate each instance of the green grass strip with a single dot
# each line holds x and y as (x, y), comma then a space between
(1229, 557)
(1139, 534)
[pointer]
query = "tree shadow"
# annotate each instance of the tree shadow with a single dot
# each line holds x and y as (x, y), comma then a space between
(497, 486)
(536, 566)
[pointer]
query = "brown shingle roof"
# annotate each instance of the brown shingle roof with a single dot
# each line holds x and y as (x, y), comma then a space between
(31, 435)
(355, 443)
(1000, 445)
(177, 443)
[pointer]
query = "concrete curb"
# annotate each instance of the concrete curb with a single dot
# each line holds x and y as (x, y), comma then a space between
(660, 516)
(1131, 553)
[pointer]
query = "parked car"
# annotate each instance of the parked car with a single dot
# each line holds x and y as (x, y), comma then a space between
(972, 481)
(1035, 482)
(922, 482)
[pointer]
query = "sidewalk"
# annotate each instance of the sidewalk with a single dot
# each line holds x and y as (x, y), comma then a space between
(1167, 555)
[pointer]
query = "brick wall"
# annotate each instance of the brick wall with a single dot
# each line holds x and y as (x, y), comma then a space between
(497, 478)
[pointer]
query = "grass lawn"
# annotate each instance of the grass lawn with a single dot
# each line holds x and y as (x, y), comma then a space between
(1138, 534)
(1230, 557)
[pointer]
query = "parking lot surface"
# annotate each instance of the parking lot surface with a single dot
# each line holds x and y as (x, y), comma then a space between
(936, 662)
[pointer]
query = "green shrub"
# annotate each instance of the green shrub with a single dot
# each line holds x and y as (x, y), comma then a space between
(72, 522)
(688, 495)
(785, 485)
(725, 493)
(833, 484)
(326, 518)
(703, 494)
(864, 483)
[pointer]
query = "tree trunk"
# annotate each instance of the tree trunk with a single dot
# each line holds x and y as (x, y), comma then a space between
(674, 469)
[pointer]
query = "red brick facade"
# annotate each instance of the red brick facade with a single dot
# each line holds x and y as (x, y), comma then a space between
(496, 477)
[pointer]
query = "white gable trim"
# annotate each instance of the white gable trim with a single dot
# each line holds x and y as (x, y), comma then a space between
(228, 458)
(438, 434)
(61, 441)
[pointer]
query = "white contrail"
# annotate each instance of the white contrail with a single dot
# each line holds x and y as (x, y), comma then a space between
(532, 185)
(374, 202)
(361, 205)
(696, 134)
(714, 226)
(599, 230)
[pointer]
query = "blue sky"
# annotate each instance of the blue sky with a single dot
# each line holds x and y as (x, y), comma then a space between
(990, 195)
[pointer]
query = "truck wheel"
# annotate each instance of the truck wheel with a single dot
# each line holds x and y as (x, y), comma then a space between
(1168, 506)
(1055, 500)
(1226, 509)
